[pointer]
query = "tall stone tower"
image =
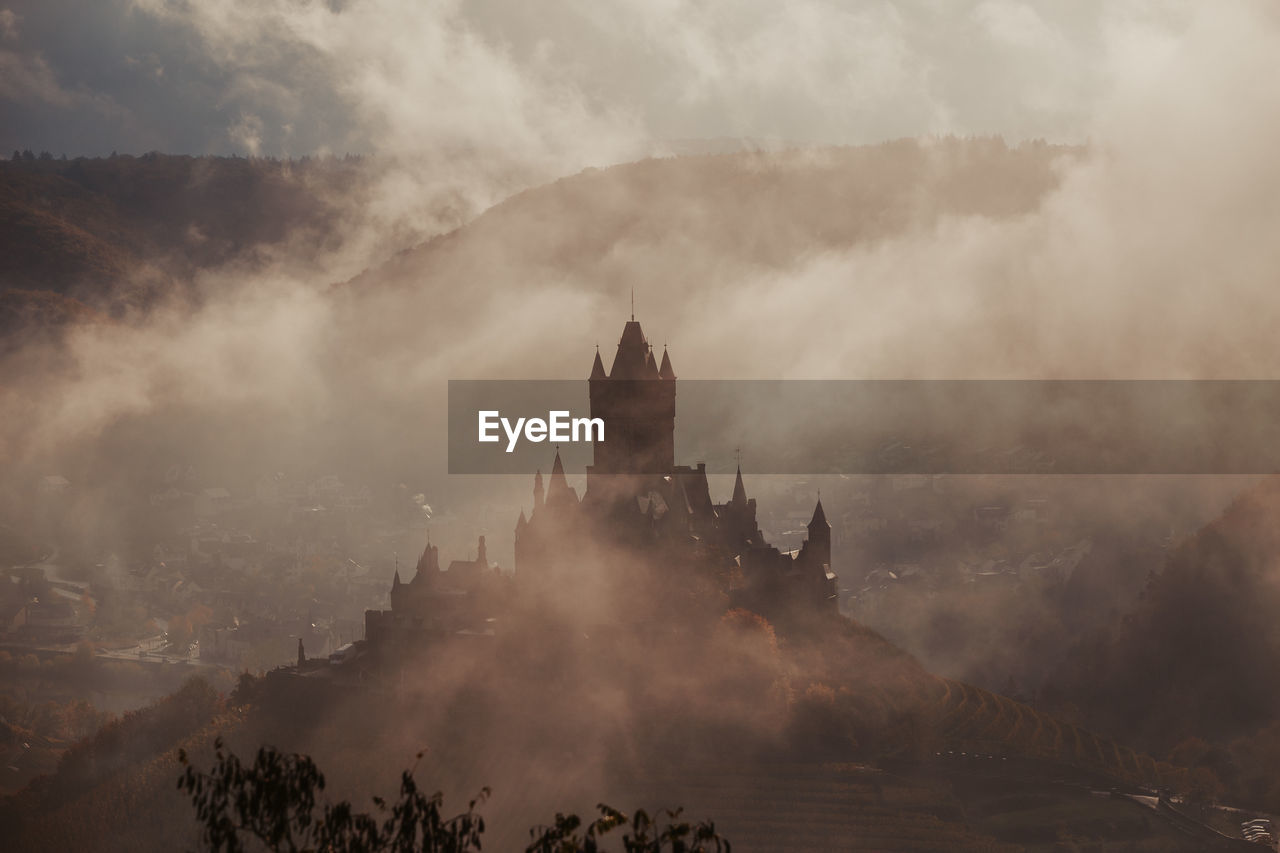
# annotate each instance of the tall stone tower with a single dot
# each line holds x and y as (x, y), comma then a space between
(637, 400)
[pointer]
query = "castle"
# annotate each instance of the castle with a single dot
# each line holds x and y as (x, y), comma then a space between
(458, 602)
(639, 507)
(638, 499)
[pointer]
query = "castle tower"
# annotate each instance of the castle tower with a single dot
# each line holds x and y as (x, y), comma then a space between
(637, 400)
(739, 516)
(559, 492)
(820, 536)
(666, 371)
(739, 499)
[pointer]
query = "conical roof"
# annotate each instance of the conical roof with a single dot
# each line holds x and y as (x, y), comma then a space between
(739, 491)
(558, 489)
(650, 366)
(666, 372)
(819, 517)
(633, 359)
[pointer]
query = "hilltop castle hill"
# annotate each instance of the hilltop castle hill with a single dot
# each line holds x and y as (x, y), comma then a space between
(641, 514)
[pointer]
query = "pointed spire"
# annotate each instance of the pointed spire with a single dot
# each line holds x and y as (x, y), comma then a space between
(819, 517)
(521, 523)
(666, 372)
(597, 368)
(537, 490)
(558, 490)
(302, 654)
(429, 562)
(482, 556)
(739, 491)
(395, 581)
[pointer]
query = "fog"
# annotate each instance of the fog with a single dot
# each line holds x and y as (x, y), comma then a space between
(508, 210)
(1144, 256)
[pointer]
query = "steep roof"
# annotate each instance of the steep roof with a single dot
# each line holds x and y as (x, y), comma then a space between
(633, 361)
(558, 489)
(819, 517)
(666, 371)
(739, 491)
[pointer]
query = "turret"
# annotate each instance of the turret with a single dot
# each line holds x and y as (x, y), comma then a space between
(739, 500)
(302, 654)
(558, 489)
(537, 489)
(666, 372)
(820, 535)
(482, 557)
(399, 588)
(818, 524)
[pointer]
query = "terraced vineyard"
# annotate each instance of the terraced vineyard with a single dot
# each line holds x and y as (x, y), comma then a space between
(974, 720)
(820, 807)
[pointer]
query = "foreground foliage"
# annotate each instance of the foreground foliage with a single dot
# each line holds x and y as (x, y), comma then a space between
(645, 835)
(275, 800)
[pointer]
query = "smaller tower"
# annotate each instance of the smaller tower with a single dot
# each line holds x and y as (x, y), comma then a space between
(482, 558)
(739, 499)
(559, 492)
(820, 535)
(302, 654)
(537, 485)
(666, 372)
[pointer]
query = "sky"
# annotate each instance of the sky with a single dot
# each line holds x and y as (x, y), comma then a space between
(577, 83)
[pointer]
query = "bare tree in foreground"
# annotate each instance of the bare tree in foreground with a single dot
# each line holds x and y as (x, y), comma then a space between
(275, 801)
